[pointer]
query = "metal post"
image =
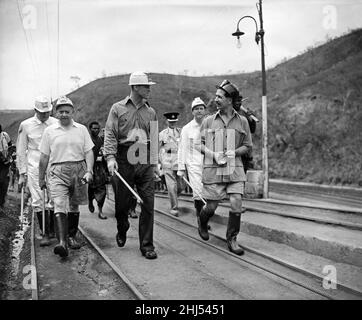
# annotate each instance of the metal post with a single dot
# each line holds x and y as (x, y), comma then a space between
(264, 111)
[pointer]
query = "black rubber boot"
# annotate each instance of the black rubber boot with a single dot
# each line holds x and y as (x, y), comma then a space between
(202, 221)
(61, 223)
(232, 232)
(73, 222)
(198, 206)
(51, 224)
(45, 241)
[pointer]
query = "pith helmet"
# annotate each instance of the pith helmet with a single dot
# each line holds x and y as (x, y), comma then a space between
(140, 78)
(64, 101)
(42, 104)
(197, 102)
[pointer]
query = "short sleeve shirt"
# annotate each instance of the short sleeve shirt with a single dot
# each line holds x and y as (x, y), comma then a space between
(66, 144)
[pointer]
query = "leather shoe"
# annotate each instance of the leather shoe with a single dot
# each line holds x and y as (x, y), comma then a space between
(149, 254)
(121, 241)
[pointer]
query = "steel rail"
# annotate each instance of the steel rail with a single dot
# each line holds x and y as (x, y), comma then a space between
(350, 225)
(268, 257)
(117, 270)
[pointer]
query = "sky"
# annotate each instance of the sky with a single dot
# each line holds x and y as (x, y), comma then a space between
(192, 37)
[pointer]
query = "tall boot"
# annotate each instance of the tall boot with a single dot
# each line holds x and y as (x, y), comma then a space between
(61, 223)
(198, 206)
(45, 241)
(202, 220)
(232, 232)
(73, 221)
(51, 224)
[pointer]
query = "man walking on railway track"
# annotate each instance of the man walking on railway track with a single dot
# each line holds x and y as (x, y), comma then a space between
(169, 142)
(67, 147)
(28, 155)
(131, 132)
(225, 137)
(97, 188)
(190, 158)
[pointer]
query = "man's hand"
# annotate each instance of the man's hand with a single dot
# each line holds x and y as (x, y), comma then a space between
(219, 158)
(112, 166)
(230, 154)
(181, 173)
(22, 180)
(42, 183)
(88, 177)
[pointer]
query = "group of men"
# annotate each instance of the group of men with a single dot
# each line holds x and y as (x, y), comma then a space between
(59, 157)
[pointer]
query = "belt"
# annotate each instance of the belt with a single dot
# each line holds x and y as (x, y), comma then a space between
(67, 162)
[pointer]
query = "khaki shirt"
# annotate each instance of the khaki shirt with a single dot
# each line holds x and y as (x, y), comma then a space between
(169, 142)
(217, 136)
(66, 144)
(127, 124)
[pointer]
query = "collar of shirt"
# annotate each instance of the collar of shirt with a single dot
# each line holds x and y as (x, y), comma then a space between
(47, 122)
(74, 124)
(218, 114)
(128, 99)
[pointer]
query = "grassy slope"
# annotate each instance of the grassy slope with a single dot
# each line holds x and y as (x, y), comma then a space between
(314, 109)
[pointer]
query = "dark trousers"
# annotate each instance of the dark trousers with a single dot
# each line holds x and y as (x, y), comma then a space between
(4, 182)
(141, 176)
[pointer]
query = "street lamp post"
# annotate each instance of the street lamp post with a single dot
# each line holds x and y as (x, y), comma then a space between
(259, 36)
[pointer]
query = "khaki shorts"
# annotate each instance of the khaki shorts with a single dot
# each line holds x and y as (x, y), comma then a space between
(65, 185)
(219, 191)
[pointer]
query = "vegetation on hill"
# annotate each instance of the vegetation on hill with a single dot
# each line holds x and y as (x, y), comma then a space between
(314, 109)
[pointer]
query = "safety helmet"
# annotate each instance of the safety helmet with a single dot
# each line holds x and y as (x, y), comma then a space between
(229, 88)
(140, 78)
(42, 104)
(64, 101)
(197, 102)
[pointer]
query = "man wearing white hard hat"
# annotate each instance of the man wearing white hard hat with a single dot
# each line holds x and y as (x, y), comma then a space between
(28, 154)
(68, 149)
(130, 127)
(190, 157)
(169, 143)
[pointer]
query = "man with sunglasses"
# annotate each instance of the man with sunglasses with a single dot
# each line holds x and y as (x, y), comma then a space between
(225, 137)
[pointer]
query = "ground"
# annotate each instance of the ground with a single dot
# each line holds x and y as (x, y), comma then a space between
(83, 275)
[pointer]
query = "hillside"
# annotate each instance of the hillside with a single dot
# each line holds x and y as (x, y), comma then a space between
(314, 109)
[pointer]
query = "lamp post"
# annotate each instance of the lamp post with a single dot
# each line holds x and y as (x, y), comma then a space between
(259, 36)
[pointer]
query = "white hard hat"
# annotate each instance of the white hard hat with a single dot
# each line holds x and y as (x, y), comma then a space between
(197, 102)
(63, 101)
(42, 104)
(139, 78)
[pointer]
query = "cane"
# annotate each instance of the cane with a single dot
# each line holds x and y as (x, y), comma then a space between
(128, 187)
(22, 205)
(43, 212)
(189, 184)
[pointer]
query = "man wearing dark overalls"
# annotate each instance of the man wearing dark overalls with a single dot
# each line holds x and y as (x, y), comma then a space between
(130, 147)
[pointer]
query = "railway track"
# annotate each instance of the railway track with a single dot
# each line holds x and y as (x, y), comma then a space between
(290, 273)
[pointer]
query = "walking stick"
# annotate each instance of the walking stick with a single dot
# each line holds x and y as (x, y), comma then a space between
(43, 212)
(129, 187)
(22, 205)
(189, 184)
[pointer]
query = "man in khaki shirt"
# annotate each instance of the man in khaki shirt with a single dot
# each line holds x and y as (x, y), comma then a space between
(225, 137)
(67, 147)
